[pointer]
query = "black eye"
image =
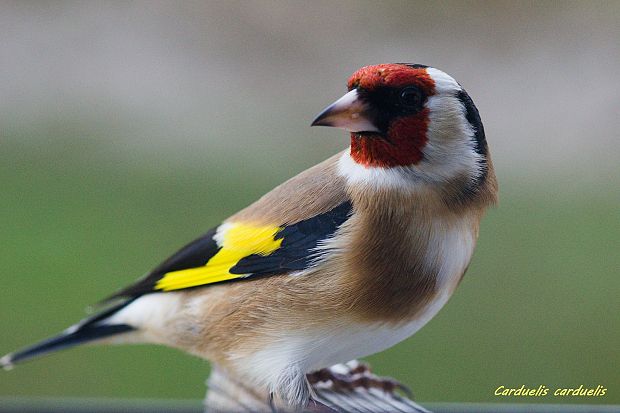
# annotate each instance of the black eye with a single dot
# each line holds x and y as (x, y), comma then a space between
(410, 97)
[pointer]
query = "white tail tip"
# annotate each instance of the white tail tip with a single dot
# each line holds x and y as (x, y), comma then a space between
(6, 362)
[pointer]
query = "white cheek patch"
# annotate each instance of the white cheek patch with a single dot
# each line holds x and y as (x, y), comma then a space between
(444, 83)
(450, 150)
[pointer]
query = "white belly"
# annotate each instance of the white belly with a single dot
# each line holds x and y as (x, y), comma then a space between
(282, 365)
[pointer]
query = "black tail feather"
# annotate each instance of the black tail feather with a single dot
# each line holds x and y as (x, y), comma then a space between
(64, 340)
(87, 330)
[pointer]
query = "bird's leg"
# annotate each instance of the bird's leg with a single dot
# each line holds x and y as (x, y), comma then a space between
(348, 377)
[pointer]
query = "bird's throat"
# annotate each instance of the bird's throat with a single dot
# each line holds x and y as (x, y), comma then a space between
(402, 145)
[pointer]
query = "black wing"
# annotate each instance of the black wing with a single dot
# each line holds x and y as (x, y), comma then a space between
(249, 251)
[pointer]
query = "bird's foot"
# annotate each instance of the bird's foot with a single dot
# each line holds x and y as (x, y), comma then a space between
(354, 375)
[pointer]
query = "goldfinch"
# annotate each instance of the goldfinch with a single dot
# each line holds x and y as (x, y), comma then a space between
(344, 260)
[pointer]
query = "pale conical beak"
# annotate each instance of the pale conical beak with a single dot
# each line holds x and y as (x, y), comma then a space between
(349, 112)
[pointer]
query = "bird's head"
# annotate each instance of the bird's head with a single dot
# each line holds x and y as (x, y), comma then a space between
(409, 124)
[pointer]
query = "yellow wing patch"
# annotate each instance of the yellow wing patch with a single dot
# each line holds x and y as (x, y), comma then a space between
(237, 241)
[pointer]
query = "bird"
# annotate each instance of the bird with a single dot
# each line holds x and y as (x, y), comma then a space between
(341, 261)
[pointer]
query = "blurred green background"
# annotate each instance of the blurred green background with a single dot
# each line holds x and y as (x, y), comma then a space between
(128, 129)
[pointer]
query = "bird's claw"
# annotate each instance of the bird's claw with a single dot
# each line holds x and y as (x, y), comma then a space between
(355, 375)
